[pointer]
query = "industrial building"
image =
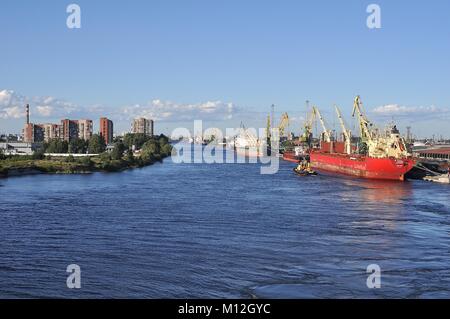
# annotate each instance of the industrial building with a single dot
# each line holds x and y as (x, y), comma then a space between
(441, 153)
(33, 133)
(18, 148)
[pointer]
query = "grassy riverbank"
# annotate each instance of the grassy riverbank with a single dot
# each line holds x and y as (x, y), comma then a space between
(62, 166)
(121, 158)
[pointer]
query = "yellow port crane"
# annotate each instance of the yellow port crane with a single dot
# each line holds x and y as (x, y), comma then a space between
(347, 133)
(268, 135)
(326, 132)
(364, 124)
(308, 127)
(284, 123)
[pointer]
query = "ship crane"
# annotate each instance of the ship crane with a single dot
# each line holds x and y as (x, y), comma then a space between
(364, 123)
(347, 133)
(284, 122)
(327, 133)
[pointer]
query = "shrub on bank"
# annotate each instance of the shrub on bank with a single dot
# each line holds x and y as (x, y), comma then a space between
(70, 159)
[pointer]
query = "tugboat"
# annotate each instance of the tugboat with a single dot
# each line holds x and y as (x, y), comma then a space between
(304, 169)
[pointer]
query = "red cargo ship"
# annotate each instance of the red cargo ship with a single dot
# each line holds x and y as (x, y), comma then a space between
(378, 156)
(295, 155)
(362, 166)
(290, 156)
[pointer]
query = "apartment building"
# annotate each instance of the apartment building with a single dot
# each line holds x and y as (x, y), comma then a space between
(142, 126)
(106, 130)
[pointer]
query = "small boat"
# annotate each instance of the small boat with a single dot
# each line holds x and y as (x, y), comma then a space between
(304, 168)
(304, 172)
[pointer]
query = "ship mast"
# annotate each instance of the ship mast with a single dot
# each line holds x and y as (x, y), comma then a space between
(347, 133)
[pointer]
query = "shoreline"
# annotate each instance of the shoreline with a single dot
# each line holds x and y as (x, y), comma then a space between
(60, 167)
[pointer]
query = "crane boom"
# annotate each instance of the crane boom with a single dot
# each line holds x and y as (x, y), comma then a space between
(347, 133)
(364, 123)
(322, 122)
(284, 122)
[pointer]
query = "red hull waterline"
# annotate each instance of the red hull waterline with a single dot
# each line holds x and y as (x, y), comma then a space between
(291, 157)
(361, 166)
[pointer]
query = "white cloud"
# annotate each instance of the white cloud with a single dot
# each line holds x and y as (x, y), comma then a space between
(395, 109)
(50, 108)
(170, 111)
(11, 105)
(412, 113)
(5, 96)
(11, 112)
(45, 110)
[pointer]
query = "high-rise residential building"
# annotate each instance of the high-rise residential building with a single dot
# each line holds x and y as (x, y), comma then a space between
(142, 126)
(85, 129)
(51, 131)
(68, 130)
(106, 130)
(73, 129)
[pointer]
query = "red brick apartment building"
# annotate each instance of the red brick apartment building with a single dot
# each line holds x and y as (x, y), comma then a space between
(106, 130)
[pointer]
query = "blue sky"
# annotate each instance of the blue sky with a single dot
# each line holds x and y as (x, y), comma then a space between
(225, 61)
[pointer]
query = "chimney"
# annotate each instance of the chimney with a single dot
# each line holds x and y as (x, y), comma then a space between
(28, 113)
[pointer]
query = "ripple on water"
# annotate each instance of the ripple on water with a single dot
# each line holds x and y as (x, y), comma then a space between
(195, 230)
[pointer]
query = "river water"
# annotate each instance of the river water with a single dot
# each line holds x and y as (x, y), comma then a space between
(222, 230)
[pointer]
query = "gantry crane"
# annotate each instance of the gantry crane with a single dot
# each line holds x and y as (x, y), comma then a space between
(347, 133)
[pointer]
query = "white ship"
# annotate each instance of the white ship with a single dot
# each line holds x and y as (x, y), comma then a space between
(247, 144)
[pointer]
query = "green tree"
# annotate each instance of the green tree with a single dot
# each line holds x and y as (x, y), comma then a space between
(150, 150)
(162, 139)
(2, 155)
(129, 157)
(118, 150)
(136, 139)
(166, 150)
(56, 146)
(96, 144)
(38, 155)
(78, 146)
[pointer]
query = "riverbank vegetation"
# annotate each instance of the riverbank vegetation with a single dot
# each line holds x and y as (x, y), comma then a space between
(131, 151)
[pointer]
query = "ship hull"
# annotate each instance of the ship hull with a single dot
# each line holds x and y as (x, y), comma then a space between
(249, 151)
(361, 166)
(290, 156)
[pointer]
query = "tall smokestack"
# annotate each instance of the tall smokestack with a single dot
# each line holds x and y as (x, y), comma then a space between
(28, 113)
